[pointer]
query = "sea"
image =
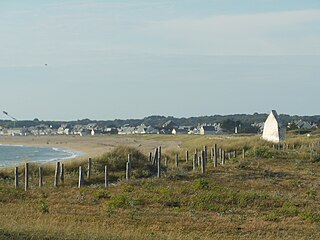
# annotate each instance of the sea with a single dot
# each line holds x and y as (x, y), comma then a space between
(12, 155)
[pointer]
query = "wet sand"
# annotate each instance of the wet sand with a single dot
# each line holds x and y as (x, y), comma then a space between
(93, 145)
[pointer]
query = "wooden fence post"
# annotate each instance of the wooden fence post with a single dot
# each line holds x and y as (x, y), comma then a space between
(194, 162)
(155, 157)
(89, 168)
(62, 173)
(187, 156)
(159, 167)
(196, 153)
(40, 177)
(203, 162)
(211, 154)
(215, 155)
(128, 171)
(16, 177)
(26, 177)
(160, 153)
(220, 153)
(243, 153)
(223, 156)
(177, 159)
(106, 176)
(165, 161)
(205, 155)
(199, 161)
(81, 179)
(56, 175)
(150, 157)
(128, 166)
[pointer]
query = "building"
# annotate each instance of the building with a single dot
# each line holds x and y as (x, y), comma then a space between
(273, 130)
(179, 131)
(207, 130)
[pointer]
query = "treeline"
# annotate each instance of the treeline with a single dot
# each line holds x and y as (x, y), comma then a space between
(227, 121)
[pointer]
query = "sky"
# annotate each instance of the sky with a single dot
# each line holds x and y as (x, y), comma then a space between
(76, 59)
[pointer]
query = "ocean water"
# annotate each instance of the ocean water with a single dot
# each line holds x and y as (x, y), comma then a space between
(11, 155)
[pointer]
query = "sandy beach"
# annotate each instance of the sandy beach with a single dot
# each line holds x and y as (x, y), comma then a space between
(93, 146)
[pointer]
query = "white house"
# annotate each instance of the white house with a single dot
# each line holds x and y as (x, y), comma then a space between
(179, 131)
(207, 130)
(273, 130)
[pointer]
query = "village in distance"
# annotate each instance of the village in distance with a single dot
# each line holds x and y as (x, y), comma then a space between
(208, 125)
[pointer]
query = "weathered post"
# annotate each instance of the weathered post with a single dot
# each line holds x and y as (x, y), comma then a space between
(199, 161)
(177, 160)
(128, 171)
(40, 177)
(155, 157)
(160, 153)
(243, 153)
(26, 177)
(16, 177)
(128, 167)
(205, 155)
(229, 155)
(150, 157)
(159, 166)
(223, 156)
(194, 162)
(220, 154)
(215, 155)
(106, 176)
(165, 161)
(81, 179)
(235, 154)
(211, 154)
(62, 173)
(203, 162)
(56, 175)
(187, 156)
(89, 168)
(196, 153)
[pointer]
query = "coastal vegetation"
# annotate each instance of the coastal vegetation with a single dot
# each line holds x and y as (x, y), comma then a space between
(272, 193)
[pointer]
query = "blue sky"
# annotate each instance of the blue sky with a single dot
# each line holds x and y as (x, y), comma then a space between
(130, 59)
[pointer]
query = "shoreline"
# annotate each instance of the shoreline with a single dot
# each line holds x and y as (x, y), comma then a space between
(70, 154)
(94, 146)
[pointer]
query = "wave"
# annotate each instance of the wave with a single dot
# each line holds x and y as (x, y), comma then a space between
(12, 145)
(36, 154)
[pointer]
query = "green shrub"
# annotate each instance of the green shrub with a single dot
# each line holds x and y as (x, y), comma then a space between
(44, 206)
(272, 216)
(118, 201)
(289, 209)
(261, 152)
(312, 194)
(118, 157)
(122, 201)
(310, 216)
(100, 194)
(200, 184)
(10, 194)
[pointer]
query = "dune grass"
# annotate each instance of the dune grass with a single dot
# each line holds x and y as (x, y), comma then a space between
(271, 194)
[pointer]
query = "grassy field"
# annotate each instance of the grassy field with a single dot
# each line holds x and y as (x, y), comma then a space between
(271, 194)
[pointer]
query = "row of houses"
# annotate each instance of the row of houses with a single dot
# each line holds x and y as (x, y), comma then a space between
(296, 124)
(95, 129)
(167, 128)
